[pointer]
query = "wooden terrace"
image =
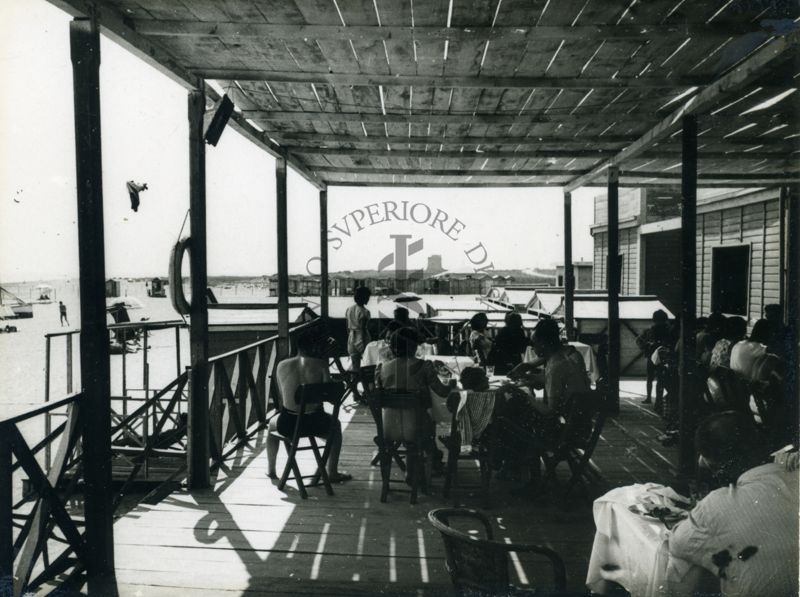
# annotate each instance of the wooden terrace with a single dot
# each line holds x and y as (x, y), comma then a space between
(244, 537)
(567, 93)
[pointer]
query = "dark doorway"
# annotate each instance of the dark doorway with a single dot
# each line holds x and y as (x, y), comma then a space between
(730, 274)
(662, 267)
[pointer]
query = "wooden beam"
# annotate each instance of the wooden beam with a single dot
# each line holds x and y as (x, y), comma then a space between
(199, 471)
(748, 70)
(687, 368)
(95, 368)
(293, 139)
(436, 153)
(529, 184)
(628, 178)
(324, 291)
(613, 283)
(450, 155)
(368, 79)
(569, 270)
(436, 118)
(442, 172)
(508, 33)
(282, 233)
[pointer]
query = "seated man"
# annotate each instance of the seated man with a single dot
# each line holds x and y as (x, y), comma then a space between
(745, 532)
(306, 368)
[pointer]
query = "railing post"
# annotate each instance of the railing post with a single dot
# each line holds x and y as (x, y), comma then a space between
(687, 368)
(6, 508)
(198, 465)
(48, 423)
(283, 259)
(613, 284)
(69, 363)
(323, 252)
(95, 374)
(569, 274)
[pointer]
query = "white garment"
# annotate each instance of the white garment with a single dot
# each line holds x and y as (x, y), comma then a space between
(743, 356)
(746, 534)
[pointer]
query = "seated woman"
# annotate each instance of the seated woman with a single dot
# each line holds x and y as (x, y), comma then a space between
(406, 373)
(509, 345)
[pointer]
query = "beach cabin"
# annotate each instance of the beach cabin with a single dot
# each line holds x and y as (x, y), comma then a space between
(635, 316)
(157, 288)
(583, 272)
(112, 288)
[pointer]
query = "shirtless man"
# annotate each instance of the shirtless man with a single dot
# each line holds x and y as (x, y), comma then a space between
(306, 368)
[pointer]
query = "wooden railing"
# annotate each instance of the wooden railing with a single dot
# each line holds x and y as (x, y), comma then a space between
(40, 526)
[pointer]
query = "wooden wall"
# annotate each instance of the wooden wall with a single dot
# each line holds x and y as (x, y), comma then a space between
(752, 220)
(754, 224)
(629, 249)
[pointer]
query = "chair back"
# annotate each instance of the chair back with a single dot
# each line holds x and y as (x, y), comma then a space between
(317, 393)
(584, 421)
(727, 390)
(479, 565)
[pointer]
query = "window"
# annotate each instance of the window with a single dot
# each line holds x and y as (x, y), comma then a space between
(730, 273)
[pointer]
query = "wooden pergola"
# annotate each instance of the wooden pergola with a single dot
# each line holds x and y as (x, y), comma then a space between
(565, 93)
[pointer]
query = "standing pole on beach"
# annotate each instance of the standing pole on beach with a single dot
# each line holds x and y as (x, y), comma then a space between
(283, 259)
(95, 367)
(323, 252)
(569, 274)
(199, 429)
(613, 282)
(687, 367)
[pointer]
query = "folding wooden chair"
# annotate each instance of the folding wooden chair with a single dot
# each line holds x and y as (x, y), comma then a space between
(480, 565)
(453, 444)
(305, 396)
(578, 439)
(392, 449)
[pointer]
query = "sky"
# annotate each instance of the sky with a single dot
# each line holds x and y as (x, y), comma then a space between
(145, 139)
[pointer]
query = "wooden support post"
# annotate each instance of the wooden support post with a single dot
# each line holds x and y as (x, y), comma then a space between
(6, 508)
(793, 301)
(324, 291)
(613, 283)
(283, 259)
(198, 434)
(95, 368)
(687, 367)
(569, 273)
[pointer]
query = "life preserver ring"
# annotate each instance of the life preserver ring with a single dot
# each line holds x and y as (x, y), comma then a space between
(178, 299)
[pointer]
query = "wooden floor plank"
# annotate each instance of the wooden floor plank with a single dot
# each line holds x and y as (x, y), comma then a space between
(245, 537)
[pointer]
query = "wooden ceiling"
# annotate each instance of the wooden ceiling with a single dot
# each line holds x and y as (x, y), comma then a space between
(497, 92)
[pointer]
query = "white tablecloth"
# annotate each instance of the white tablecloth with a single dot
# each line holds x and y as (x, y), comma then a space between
(586, 352)
(378, 351)
(632, 551)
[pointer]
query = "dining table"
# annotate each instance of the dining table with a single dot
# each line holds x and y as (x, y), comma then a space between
(631, 549)
(592, 370)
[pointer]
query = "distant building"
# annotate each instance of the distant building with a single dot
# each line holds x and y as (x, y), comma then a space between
(112, 287)
(434, 265)
(739, 253)
(583, 272)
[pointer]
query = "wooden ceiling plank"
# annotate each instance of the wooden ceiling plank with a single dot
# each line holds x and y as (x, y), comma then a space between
(735, 79)
(315, 12)
(284, 12)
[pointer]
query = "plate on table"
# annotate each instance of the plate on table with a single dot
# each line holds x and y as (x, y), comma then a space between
(659, 513)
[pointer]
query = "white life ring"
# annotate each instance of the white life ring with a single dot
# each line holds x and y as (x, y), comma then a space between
(178, 299)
